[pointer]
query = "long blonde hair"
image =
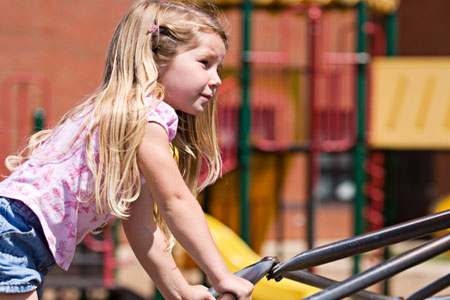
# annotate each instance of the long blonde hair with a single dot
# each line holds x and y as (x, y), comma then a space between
(120, 114)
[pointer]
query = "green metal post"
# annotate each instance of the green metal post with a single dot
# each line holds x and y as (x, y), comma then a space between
(38, 120)
(360, 150)
(244, 125)
(389, 211)
(158, 295)
(391, 50)
(391, 34)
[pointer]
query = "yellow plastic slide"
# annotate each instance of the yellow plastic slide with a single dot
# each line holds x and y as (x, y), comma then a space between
(238, 255)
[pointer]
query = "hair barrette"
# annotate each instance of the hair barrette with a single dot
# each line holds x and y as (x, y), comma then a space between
(153, 28)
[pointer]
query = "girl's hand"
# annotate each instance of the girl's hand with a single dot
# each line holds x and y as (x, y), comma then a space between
(199, 292)
(227, 296)
(239, 287)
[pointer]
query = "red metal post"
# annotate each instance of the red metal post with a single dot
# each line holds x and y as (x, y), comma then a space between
(314, 14)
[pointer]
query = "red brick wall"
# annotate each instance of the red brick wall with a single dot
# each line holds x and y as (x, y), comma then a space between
(64, 40)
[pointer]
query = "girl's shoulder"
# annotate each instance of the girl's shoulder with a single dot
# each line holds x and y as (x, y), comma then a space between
(163, 114)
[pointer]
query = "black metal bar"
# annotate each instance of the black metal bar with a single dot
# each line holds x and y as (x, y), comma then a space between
(431, 289)
(447, 297)
(253, 273)
(323, 282)
(365, 242)
(384, 270)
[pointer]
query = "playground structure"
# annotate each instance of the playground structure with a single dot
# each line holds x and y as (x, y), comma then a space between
(353, 286)
(297, 104)
(311, 106)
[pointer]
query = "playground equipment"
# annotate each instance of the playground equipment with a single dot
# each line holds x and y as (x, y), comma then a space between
(410, 106)
(353, 286)
(238, 254)
(411, 128)
(287, 116)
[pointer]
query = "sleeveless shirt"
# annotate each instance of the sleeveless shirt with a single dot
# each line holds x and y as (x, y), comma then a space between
(57, 186)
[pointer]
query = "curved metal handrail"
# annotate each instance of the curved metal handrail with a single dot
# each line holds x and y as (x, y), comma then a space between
(354, 286)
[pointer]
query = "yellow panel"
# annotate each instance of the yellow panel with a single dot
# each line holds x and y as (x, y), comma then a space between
(410, 103)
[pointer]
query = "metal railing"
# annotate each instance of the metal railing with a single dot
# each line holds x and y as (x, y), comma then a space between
(354, 286)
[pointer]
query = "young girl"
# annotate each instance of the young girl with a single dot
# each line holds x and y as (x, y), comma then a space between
(112, 156)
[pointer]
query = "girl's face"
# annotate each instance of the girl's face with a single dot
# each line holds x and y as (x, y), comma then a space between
(191, 78)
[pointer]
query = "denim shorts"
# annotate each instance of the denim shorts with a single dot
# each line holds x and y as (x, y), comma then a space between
(24, 254)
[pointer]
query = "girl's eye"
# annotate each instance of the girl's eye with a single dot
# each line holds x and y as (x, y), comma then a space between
(205, 63)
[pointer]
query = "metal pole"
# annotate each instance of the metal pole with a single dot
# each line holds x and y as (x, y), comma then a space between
(366, 242)
(314, 14)
(431, 289)
(39, 117)
(245, 124)
(391, 34)
(253, 273)
(360, 150)
(384, 270)
(323, 282)
(158, 295)
(389, 213)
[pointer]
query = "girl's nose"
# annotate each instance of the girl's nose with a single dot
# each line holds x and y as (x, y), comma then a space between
(215, 80)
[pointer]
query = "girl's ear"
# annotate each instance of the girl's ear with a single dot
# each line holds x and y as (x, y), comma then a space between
(162, 67)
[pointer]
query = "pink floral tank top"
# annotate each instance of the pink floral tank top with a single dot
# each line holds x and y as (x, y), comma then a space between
(55, 188)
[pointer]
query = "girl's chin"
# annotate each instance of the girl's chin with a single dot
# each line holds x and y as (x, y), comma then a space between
(198, 112)
(195, 112)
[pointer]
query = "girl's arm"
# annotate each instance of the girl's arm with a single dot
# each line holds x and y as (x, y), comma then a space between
(150, 247)
(183, 213)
